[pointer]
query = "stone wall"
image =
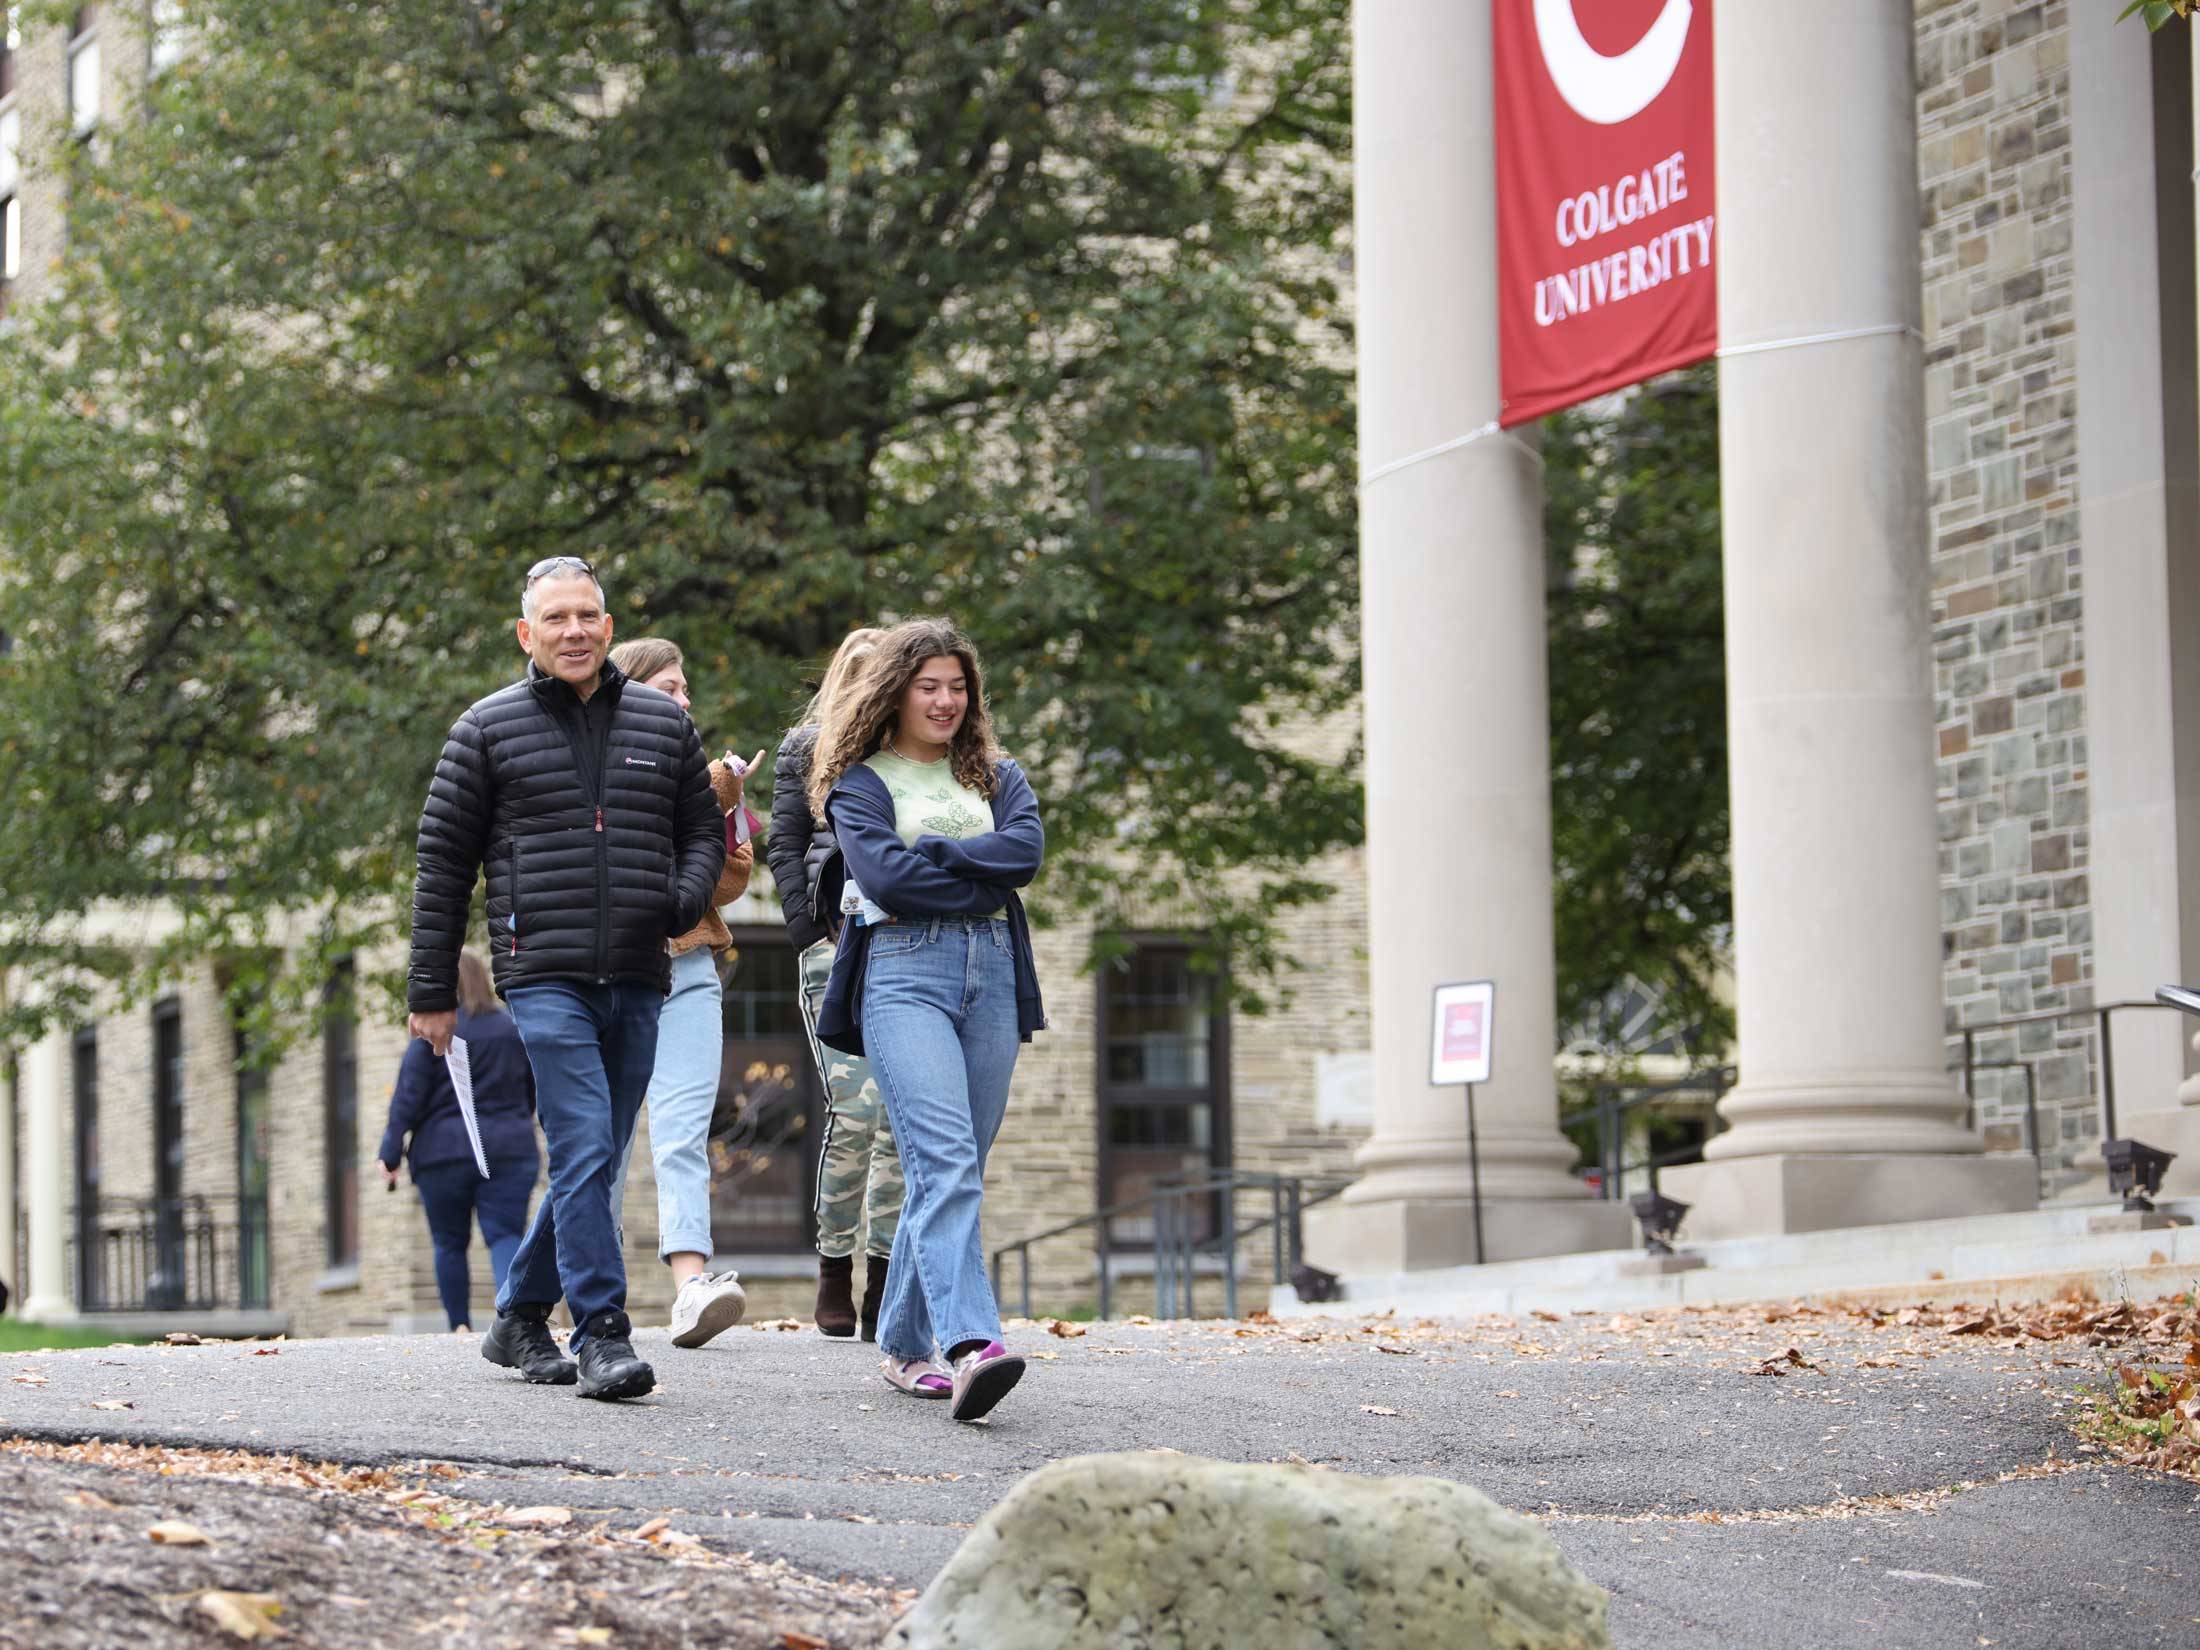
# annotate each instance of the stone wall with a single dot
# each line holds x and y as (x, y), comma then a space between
(2000, 387)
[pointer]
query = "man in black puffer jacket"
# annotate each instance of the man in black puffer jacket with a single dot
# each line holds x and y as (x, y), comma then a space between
(588, 799)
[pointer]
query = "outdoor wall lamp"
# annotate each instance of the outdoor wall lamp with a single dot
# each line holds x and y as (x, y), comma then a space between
(1313, 1284)
(2135, 1169)
(1660, 1218)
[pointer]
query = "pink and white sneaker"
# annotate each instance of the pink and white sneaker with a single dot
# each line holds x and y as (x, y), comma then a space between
(919, 1377)
(983, 1378)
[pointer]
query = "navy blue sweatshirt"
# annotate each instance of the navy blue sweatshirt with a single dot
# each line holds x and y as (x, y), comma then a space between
(424, 1105)
(939, 877)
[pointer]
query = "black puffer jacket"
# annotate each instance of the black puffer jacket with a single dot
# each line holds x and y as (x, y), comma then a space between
(590, 870)
(798, 846)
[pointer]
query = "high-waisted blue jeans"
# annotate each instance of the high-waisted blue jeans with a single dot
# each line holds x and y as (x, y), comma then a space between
(939, 1025)
(683, 1092)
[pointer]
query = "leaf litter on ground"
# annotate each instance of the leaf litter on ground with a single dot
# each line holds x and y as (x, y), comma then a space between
(76, 1520)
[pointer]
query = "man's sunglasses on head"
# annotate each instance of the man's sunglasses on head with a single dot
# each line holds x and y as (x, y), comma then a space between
(549, 565)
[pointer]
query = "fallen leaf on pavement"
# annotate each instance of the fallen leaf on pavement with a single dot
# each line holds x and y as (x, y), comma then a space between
(653, 1527)
(792, 1640)
(92, 1499)
(1785, 1361)
(1546, 1317)
(266, 1351)
(1067, 1331)
(27, 1378)
(174, 1532)
(242, 1615)
(182, 1337)
(112, 1403)
(1401, 1351)
(593, 1635)
(537, 1518)
(1377, 1409)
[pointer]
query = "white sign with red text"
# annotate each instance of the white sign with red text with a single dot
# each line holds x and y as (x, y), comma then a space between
(1465, 1020)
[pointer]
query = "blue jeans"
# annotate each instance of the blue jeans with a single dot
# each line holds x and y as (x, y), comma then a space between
(591, 1047)
(683, 1092)
(939, 1024)
(453, 1194)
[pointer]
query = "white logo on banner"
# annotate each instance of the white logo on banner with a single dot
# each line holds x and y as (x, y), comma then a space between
(1608, 90)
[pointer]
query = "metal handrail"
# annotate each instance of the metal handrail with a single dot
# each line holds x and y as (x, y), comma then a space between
(2104, 1013)
(1608, 1114)
(1175, 1249)
(2031, 1113)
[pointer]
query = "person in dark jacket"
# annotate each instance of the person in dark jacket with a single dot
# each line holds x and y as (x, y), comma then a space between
(934, 978)
(859, 1186)
(587, 801)
(426, 1130)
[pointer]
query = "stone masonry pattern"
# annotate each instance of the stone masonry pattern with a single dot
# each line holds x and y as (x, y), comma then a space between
(1993, 87)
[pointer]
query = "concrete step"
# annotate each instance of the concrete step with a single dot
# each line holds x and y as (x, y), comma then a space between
(2043, 1251)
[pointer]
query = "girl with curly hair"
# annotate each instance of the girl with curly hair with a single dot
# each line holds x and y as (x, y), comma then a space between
(933, 981)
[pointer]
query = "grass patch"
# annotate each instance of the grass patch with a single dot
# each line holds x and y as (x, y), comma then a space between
(18, 1336)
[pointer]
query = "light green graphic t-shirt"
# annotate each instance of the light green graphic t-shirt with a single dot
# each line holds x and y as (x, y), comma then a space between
(928, 801)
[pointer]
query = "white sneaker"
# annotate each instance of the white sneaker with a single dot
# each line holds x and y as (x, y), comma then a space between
(706, 1304)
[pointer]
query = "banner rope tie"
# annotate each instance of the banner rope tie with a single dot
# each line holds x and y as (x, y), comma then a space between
(1881, 330)
(1483, 432)
(1480, 433)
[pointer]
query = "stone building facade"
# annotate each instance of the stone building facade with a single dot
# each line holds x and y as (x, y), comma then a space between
(1142, 1071)
(1999, 279)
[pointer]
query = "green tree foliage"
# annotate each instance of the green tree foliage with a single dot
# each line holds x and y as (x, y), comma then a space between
(787, 314)
(2156, 13)
(1638, 703)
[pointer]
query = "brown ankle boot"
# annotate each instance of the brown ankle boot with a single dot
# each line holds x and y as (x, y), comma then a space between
(836, 1309)
(874, 1292)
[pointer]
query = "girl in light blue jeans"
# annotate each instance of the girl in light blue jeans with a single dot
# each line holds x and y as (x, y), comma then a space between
(933, 980)
(691, 1039)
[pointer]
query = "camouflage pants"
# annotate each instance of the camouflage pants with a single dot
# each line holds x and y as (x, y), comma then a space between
(858, 1169)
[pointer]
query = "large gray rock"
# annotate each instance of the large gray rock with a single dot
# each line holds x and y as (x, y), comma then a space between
(1158, 1551)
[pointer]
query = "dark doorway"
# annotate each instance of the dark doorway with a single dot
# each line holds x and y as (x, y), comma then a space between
(1164, 1098)
(84, 1057)
(165, 1287)
(764, 1134)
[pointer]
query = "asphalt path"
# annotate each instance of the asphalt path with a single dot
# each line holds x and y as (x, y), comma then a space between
(1911, 1490)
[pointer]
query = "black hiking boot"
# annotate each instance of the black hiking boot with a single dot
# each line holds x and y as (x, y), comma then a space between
(609, 1366)
(520, 1339)
(874, 1293)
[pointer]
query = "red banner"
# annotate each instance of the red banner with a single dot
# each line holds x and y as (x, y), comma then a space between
(1605, 270)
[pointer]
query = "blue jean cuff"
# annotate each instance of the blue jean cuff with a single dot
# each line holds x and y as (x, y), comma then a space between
(688, 1243)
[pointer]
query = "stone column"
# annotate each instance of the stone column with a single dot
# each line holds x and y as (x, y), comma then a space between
(1458, 782)
(11, 1269)
(45, 1095)
(1844, 1115)
(2132, 148)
